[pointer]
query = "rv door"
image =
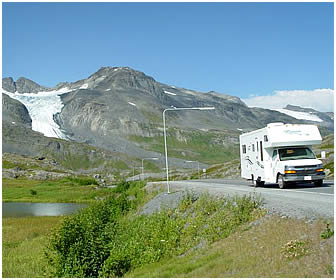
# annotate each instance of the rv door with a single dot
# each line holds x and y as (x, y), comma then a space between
(275, 163)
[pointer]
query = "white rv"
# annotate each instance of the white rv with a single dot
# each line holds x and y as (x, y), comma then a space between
(281, 153)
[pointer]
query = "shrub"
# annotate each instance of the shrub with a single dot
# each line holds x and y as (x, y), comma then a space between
(33, 192)
(327, 232)
(295, 249)
(81, 181)
(108, 240)
(82, 243)
(122, 187)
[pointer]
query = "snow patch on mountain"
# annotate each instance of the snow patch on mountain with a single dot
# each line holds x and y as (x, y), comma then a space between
(168, 92)
(84, 86)
(42, 107)
(131, 103)
(300, 115)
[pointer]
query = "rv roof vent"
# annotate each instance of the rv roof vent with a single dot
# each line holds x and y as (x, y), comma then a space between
(275, 124)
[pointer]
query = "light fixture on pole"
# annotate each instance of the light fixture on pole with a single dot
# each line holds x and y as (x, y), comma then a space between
(198, 169)
(165, 136)
(153, 158)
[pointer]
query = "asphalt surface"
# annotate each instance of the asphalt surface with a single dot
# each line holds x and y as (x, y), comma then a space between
(300, 201)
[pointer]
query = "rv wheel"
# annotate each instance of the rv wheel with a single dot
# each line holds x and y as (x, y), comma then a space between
(281, 182)
(254, 182)
(318, 183)
(257, 182)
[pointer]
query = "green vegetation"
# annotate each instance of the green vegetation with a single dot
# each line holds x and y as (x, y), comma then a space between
(153, 117)
(193, 145)
(80, 161)
(328, 146)
(327, 232)
(69, 189)
(108, 239)
(258, 251)
(81, 181)
(295, 249)
(330, 166)
(23, 165)
(23, 243)
(204, 237)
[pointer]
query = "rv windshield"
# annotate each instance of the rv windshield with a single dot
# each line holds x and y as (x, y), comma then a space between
(296, 153)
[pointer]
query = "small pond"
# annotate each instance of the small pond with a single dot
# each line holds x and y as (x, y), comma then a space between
(24, 209)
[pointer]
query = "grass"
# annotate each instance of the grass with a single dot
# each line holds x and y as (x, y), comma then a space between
(194, 145)
(108, 238)
(330, 166)
(209, 237)
(25, 164)
(276, 248)
(71, 189)
(23, 242)
(80, 161)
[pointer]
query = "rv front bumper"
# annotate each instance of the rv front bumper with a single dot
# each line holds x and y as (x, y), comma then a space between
(304, 178)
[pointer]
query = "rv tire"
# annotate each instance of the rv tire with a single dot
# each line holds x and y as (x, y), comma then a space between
(281, 182)
(252, 180)
(257, 182)
(318, 183)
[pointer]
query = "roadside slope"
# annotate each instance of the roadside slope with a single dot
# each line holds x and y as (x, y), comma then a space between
(292, 203)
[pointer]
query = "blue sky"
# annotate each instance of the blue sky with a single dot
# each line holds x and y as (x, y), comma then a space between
(241, 49)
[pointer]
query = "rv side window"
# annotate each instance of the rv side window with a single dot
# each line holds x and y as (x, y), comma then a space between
(275, 154)
(244, 149)
(265, 138)
(261, 152)
(253, 148)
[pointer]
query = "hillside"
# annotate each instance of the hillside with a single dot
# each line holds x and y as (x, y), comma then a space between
(119, 110)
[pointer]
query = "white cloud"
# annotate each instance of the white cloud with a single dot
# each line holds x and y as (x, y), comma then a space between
(319, 99)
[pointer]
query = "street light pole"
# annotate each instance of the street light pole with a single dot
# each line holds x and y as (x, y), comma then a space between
(198, 169)
(142, 168)
(165, 136)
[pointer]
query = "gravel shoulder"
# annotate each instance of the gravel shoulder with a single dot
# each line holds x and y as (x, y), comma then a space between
(286, 202)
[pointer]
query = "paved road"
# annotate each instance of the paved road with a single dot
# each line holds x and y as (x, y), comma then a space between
(301, 201)
(328, 185)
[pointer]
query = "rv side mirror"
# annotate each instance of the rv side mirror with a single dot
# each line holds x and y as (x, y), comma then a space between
(323, 154)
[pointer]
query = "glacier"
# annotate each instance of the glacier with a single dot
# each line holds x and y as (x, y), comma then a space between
(300, 115)
(42, 107)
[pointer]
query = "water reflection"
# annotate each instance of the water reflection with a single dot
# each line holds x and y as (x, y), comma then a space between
(24, 209)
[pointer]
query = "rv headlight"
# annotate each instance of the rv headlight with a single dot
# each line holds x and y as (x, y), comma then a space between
(319, 168)
(289, 167)
(289, 170)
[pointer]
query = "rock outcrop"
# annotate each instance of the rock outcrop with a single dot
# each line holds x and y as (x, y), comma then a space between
(15, 112)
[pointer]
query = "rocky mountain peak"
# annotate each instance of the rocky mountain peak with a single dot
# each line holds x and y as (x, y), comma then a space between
(299, 109)
(8, 84)
(15, 112)
(22, 85)
(26, 85)
(226, 97)
(116, 72)
(123, 78)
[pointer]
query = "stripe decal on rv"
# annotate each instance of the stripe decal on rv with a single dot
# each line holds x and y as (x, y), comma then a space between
(249, 161)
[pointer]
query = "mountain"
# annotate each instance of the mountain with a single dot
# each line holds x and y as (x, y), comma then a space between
(15, 112)
(120, 110)
(325, 119)
(22, 85)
